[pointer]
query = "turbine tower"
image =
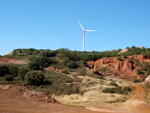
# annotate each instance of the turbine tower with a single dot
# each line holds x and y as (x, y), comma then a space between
(83, 33)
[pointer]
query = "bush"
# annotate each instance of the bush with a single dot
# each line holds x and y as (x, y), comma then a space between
(9, 77)
(138, 64)
(72, 64)
(22, 73)
(119, 58)
(136, 81)
(65, 60)
(139, 71)
(34, 78)
(81, 73)
(45, 61)
(33, 65)
(113, 84)
(13, 70)
(118, 90)
(65, 71)
(148, 72)
(48, 53)
(145, 66)
(3, 70)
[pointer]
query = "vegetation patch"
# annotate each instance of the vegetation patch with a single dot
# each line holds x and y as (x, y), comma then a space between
(118, 90)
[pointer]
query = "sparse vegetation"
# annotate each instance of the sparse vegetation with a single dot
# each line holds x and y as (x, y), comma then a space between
(65, 71)
(118, 90)
(113, 84)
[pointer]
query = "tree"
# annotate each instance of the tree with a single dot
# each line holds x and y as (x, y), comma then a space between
(22, 73)
(3, 70)
(34, 78)
(13, 70)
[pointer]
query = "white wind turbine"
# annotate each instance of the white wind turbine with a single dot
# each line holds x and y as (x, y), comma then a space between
(83, 33)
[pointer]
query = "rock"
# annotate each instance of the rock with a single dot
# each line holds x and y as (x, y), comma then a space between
(123, 51)
(40, 96)
(147, 79)
(101, 62)
(127, 66)
(91, 63)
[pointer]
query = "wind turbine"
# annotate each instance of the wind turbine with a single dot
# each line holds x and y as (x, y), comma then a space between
(83, 33)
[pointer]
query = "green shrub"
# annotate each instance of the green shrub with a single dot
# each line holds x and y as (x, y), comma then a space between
(81, 73)
(48, 53)
(125, 56)
(72, 64)
(65, 60)
(33, 65)
(145, 66)
(96, 76)
(22, 73)
(58, 84)
(44, 61)
(3, 70)
(113, 84)
(76, 88)
(115, 73)
(65, 71)
(119, 58)
(148, 72)
(9, 77)
(138, 64)
(136, 81)
(13, 70)
(113, 90)
(139, 71)
(34, 78)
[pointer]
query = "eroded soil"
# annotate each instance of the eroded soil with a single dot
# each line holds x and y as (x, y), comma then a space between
(12, 101)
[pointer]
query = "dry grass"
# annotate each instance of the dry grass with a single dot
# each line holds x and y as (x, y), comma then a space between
(92, 88)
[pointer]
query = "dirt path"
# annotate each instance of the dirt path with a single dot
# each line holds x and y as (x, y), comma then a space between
(12, 101)
(137, 103)
(134, 105)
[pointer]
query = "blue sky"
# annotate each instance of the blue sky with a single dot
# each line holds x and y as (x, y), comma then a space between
(53, 24)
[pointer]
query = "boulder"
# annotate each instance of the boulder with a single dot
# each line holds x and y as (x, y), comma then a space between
(147, 79)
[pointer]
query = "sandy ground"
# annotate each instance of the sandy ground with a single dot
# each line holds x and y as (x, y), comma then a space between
(12, 101)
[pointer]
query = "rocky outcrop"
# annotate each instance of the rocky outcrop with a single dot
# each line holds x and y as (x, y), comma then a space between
(101, 62)
(91, 63)
(147, 79)
(119, 65)
(40, 96)
(128, 66)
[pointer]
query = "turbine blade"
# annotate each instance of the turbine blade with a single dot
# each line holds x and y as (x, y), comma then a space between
(81, 25)
(81, 36)
(91, 30)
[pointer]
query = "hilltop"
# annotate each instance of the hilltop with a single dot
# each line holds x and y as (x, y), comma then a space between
(82, 79)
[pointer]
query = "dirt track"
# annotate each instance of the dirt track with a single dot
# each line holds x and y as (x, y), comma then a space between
(12, 101)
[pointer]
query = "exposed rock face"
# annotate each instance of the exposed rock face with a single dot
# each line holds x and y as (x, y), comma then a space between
(91, 63)
(101, 62)
(119, 65)
(128, 66)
